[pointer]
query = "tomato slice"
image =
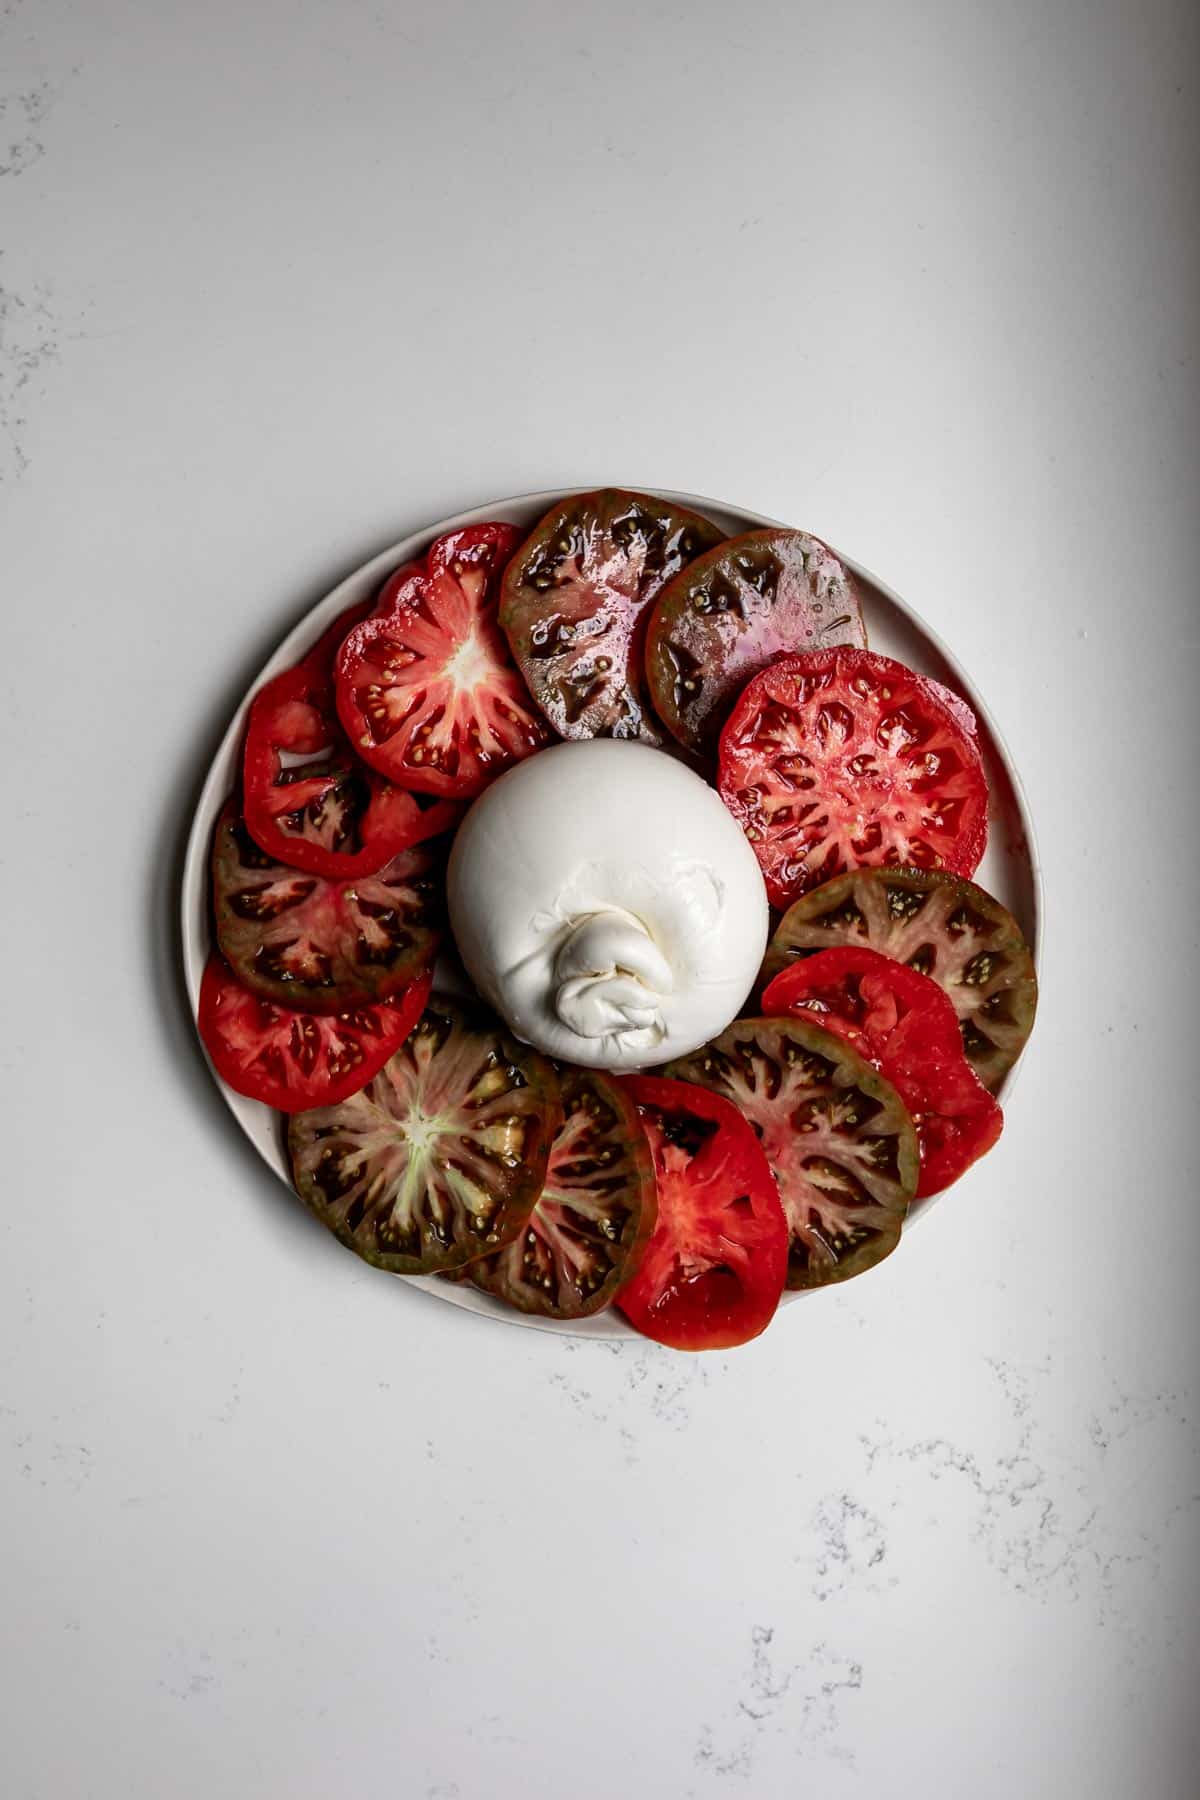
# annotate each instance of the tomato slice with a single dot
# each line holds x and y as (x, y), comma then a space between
(714, 1268)
(318, 945)
(441, 1156)
(904, 1024)
(426, 688)
(594, 1214)
(756, 598)
(836, 1135)
(575, 603)
(292, 1060)
(309, 801)
(841, 758)
(944, 927)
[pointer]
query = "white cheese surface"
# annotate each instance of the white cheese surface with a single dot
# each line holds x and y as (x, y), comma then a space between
(607, 905)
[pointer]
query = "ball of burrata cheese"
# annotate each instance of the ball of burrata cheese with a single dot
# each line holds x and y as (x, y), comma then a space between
(607, 905)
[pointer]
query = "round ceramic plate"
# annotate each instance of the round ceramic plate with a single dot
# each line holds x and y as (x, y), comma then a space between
(1009, 870)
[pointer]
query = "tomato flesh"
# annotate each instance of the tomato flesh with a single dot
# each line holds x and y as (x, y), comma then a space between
(835, 1134)
(442, 1155)
(318, 945)
(714, 1268)
(754, 599)
(941, 925)
(904, 1024)
(292, 1060)
(576, 599)
(308, 799)
(426, 688)
(840, 759)
(594, 1214)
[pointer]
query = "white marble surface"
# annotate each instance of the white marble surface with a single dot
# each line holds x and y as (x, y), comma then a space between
(282, 280)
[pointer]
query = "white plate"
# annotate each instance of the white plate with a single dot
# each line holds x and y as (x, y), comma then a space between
(1009, 869)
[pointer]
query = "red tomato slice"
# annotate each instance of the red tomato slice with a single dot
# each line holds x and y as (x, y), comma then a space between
(716, 1264)
(840, 759)
(295, 1060)
(906, 1025)
(309, 801)
(426, 687)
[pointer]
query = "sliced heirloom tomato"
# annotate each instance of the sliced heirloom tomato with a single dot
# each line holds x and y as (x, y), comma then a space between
(840, 758)
(905, 1025)
(713, 1271)
(836, 1135)
(318, 945)
(594, 1214)
(940, 925)
(576, 599)
(441, 1156)
(309, 801)
(426, 688)
(755, 598)
(293, 1060)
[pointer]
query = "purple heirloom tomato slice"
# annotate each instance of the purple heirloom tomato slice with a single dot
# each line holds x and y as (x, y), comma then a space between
(318, 945)
(576, 599)
(596, 1209)
(752, 600)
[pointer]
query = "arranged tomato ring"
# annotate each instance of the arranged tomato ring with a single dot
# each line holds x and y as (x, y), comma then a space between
(308, 799)
(713, 1271)
(318, 945)
(835, 1133)
(942, 926)
(426, 688)
(576, 599)
(841, 759)
(292, 1060)
(745, 604)
(904, 1024)
(594, 1214)
(442, 1155)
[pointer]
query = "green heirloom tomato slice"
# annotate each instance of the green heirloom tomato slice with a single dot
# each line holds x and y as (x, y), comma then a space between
(733, 611)
(442, 1155)
(594, 1214)
(837, 1137)
(944, 927)
(321, 945)
(576, 598)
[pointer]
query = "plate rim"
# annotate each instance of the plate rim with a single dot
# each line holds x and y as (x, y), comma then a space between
(194, 877)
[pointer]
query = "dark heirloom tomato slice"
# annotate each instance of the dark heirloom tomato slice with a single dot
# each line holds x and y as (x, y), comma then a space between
(754, 599)
(291, 1060)
(940, 925)
(594, 1214)
(840, 1144)
(426, 688)
(575, 602)
(840, 758)
(713, 1271)
(318, 945)
(442, 1155)
(308, 798)
(904, 1024)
